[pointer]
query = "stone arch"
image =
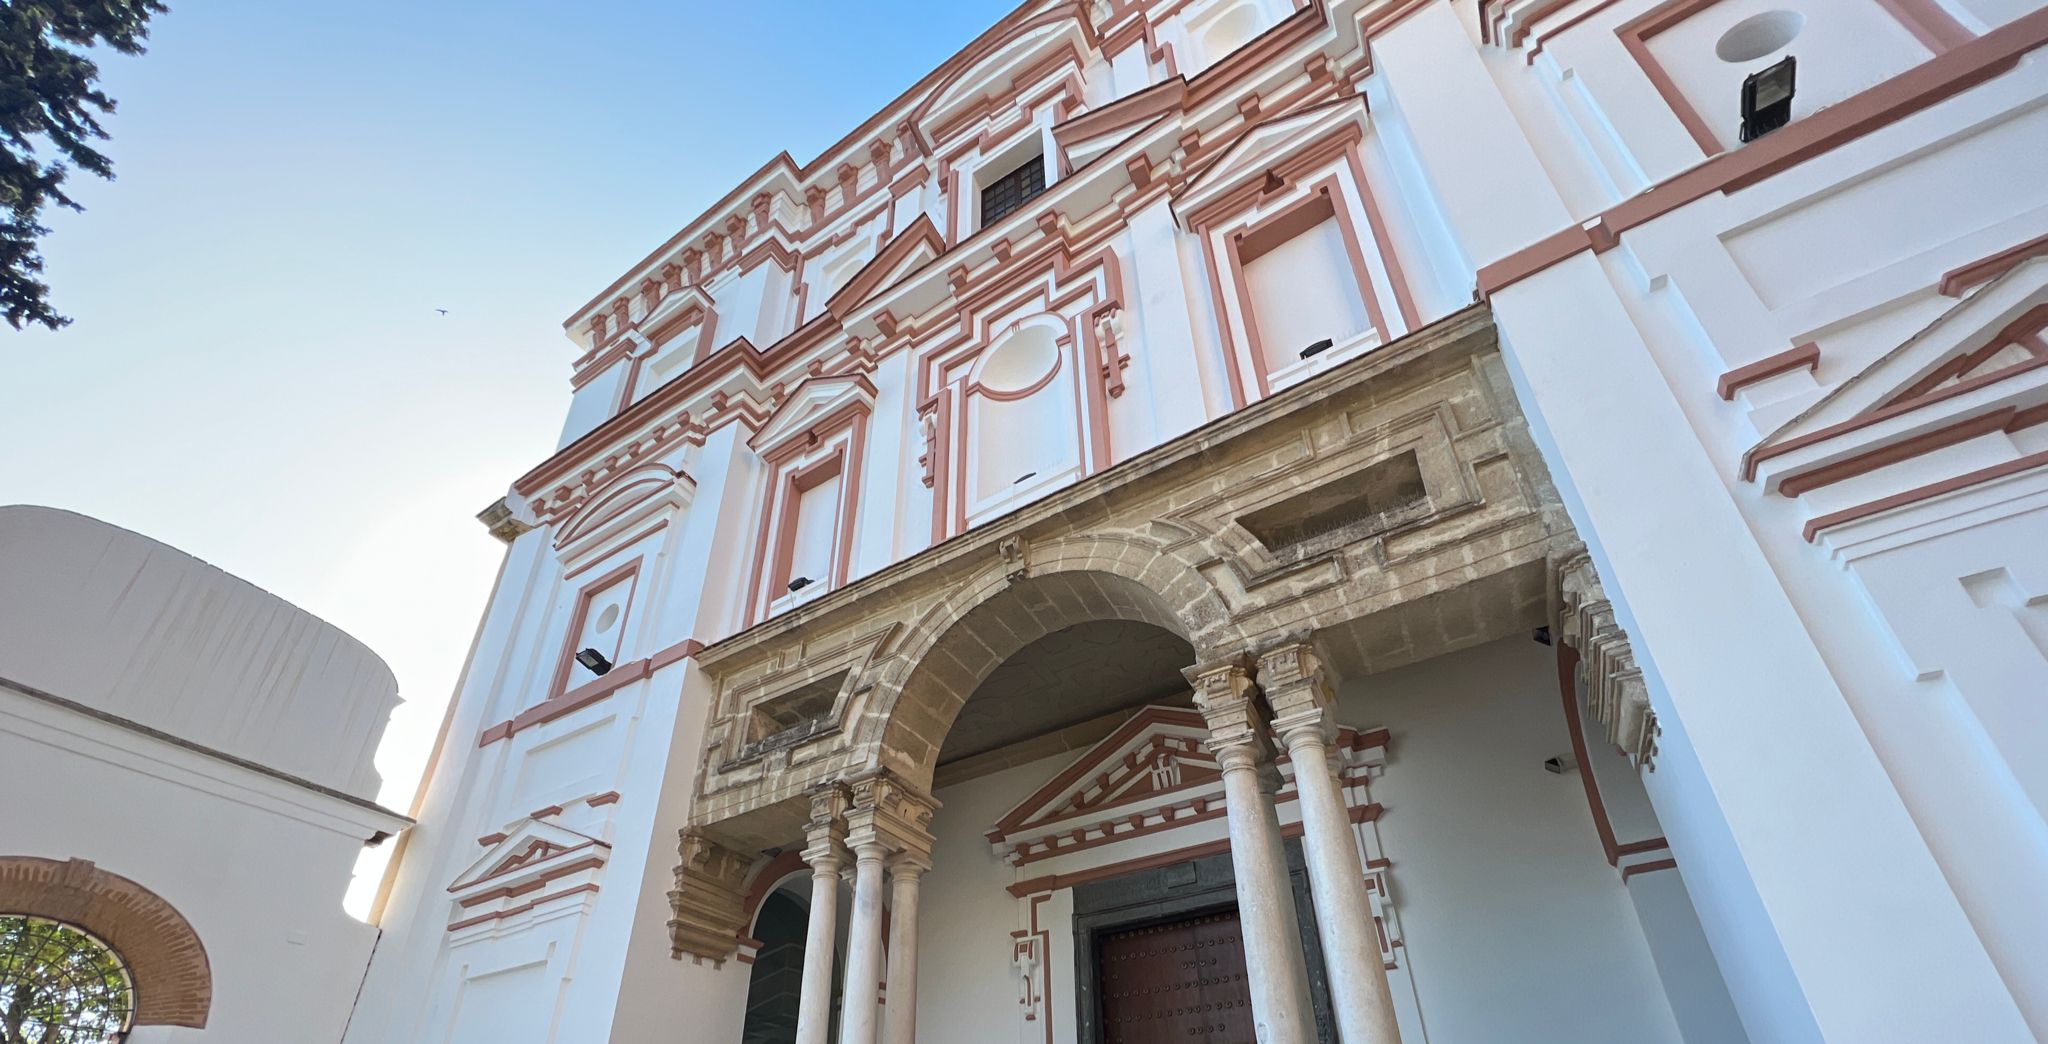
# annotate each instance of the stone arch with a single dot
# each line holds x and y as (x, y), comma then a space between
(173, 977)
(948, 652)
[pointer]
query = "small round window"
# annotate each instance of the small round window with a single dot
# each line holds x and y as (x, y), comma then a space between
(59, 985)
(608, 619)
(1759, 35)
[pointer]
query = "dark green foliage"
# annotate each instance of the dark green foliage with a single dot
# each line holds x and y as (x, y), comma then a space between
(59, 985)
(49, 115)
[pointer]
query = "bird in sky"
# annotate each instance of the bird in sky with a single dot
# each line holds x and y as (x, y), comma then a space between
(443, 311)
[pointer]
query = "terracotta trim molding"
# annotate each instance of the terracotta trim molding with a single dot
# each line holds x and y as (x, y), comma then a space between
(1927, 492)
(1760, 454)
(1863, 463)
(1936, 30)
(1646, 868)
(1567, 686)
(629, 574)
(590, 692)
(521, 908)
(1984, 270)
(1929, 83)
(1805, 356)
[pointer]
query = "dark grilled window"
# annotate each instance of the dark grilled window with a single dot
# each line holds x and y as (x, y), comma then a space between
(1010, 191)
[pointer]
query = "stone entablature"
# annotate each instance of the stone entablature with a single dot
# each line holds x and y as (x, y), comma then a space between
(1403, 512)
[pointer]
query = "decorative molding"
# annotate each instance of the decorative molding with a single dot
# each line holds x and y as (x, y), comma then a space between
(503, 521)
(1616, 695)
(709, 901)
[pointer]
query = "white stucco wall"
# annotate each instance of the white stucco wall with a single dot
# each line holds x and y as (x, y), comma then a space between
(1499, 881)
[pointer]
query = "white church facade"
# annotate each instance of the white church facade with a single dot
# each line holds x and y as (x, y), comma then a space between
(1293, 520)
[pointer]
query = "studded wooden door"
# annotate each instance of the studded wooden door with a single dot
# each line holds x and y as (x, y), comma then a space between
(1181, 982)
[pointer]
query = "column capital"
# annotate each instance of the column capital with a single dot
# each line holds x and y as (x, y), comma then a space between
(910, 864)
(887, 811)
(825, 834)
(1228, 700)
(1297, 686)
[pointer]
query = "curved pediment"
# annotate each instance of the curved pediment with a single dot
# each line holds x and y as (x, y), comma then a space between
(993, 72)
(630, 496)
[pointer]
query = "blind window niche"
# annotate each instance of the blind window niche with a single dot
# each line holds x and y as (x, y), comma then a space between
(813, 528)
(1301, 284)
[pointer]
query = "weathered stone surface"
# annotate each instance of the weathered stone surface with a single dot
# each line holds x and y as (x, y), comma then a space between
(1448, 548)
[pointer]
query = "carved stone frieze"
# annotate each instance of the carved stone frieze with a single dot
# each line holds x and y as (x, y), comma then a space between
(1616, 696)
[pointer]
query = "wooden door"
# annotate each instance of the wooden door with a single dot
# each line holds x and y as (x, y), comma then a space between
(1177, 983)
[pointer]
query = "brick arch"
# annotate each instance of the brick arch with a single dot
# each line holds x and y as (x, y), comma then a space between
(173, 978)
(961, 640)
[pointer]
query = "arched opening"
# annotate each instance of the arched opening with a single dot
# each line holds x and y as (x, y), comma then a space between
(60, 985)
(171, 980)
(778, 936)
(919, 717)
(1086, 678)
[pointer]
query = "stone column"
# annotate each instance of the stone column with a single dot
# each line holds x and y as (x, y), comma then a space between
(899, 1022)
(826, 855)
(861, 1004)
(1295, 686)
(1265, 900)
(888, 817)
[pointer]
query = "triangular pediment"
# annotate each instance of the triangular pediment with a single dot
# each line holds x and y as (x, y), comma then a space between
(1985, 354)
(1268, 142)
(814, 400)
(1155, 772)
(912, 249)
(1156, 753)
(528, 848)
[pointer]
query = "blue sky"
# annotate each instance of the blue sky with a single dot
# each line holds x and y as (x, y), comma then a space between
(257, 373)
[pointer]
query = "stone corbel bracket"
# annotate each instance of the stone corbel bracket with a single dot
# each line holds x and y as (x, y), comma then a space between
(1616, 695)
(709, 900)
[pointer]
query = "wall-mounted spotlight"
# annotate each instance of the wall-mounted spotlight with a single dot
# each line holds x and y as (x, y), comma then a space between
(1317, 348)
(1767, 99)
(593, 661)
(799, 584)
(1560, 764)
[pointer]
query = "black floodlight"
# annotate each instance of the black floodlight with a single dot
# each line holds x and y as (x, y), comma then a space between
(1767, 99)
(593, 661)
(1317, 348)
(799, 584)
(1026, 475)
